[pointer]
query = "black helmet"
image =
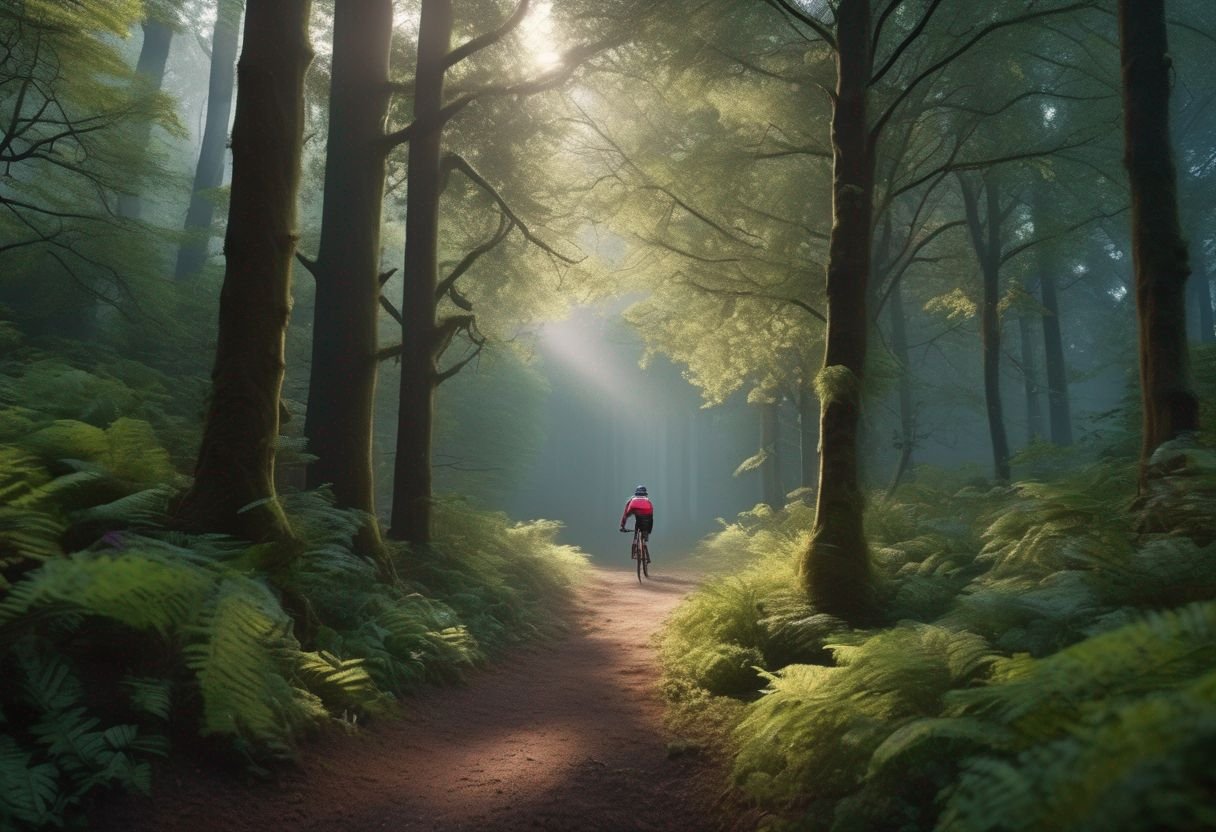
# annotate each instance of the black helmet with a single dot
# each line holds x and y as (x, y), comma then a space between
(640, 491)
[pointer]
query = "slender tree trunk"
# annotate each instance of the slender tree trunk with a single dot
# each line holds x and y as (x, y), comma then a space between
(1158, 251)
(907, 415)
(149, 76)
(770, 471)
(1058, 407)
(808, 436)
(985, 235)
(342, 385)
(835, 567)
(411, 517)
(209, 173)
(1030, 381)
(233, 489)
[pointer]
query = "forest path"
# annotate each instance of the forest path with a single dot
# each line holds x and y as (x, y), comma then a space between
(562, 736)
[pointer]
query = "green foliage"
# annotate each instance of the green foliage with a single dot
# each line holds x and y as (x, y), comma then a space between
(111, 625)
(1043, 666)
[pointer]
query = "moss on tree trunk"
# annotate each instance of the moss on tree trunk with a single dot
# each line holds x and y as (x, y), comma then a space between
(835, 567)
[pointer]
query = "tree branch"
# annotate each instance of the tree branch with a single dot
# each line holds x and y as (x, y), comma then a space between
(471, 47)
(805, 19)
(454, 161)
(504, 228)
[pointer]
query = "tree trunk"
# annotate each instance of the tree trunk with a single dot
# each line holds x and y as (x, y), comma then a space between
(149, 76)
(835, 567)
(1058, 408)
(209, 173)
(411, 517)
(1030, 381)
(342, 384)
(1158, 251)
(770, 471)
(233, 489)
(907, 415)
(985, 233)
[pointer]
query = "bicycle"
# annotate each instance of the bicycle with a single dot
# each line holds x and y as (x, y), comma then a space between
(639, 551)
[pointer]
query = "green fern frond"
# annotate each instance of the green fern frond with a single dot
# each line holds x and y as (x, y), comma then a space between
(136, 589)
(1038, 695)
(29, 791)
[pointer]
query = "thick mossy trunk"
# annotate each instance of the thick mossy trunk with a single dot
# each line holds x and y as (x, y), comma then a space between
(209, 173)
(149, 77)
(835, 567)
(1058, 408)
(411, 515)
(770, 472)
(342, 384)
(1170, 406)
(233, 489)
(907, 415)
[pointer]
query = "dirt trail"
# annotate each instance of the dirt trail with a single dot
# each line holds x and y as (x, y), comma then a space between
(563, 737)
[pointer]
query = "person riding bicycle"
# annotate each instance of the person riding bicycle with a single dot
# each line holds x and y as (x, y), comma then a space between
(642, 510)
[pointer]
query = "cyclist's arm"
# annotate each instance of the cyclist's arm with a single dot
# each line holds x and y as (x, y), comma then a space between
(625, 514)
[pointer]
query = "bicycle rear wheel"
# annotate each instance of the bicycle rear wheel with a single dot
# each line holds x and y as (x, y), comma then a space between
(645, 559)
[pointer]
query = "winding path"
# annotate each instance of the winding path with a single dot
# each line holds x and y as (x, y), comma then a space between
(566, 736)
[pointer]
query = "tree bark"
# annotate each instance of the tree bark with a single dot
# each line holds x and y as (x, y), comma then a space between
(411, 514)
(233, 489)
(149, 77)
(209, 172)
(342, 384)
(770, 471)
(907, 415)
(835, 568)
(1058, 408)
(1159, 255)
(1030, 381)
(985, 233)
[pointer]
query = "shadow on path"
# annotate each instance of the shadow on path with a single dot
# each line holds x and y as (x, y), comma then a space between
(565, 736)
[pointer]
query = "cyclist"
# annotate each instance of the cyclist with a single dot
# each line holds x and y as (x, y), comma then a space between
(642, 510)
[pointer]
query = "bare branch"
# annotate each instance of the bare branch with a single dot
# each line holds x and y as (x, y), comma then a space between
(805, 19)
(454, 161)
(388, 307)
(504, 228)
(956, 53)
(471, 47)
(916, 32)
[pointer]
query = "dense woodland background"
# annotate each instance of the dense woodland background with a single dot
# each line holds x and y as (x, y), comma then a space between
(901, 308)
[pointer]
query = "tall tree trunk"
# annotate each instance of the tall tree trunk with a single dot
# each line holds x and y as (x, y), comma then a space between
(985, 233)
(1030, 380)
(907, 415)
(770, 471)
(1158, 250)
(1058, 407)
(835, 568)
(411, 517)
(209, 173)
(342, 385)
(233, 489)
(149, 76)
